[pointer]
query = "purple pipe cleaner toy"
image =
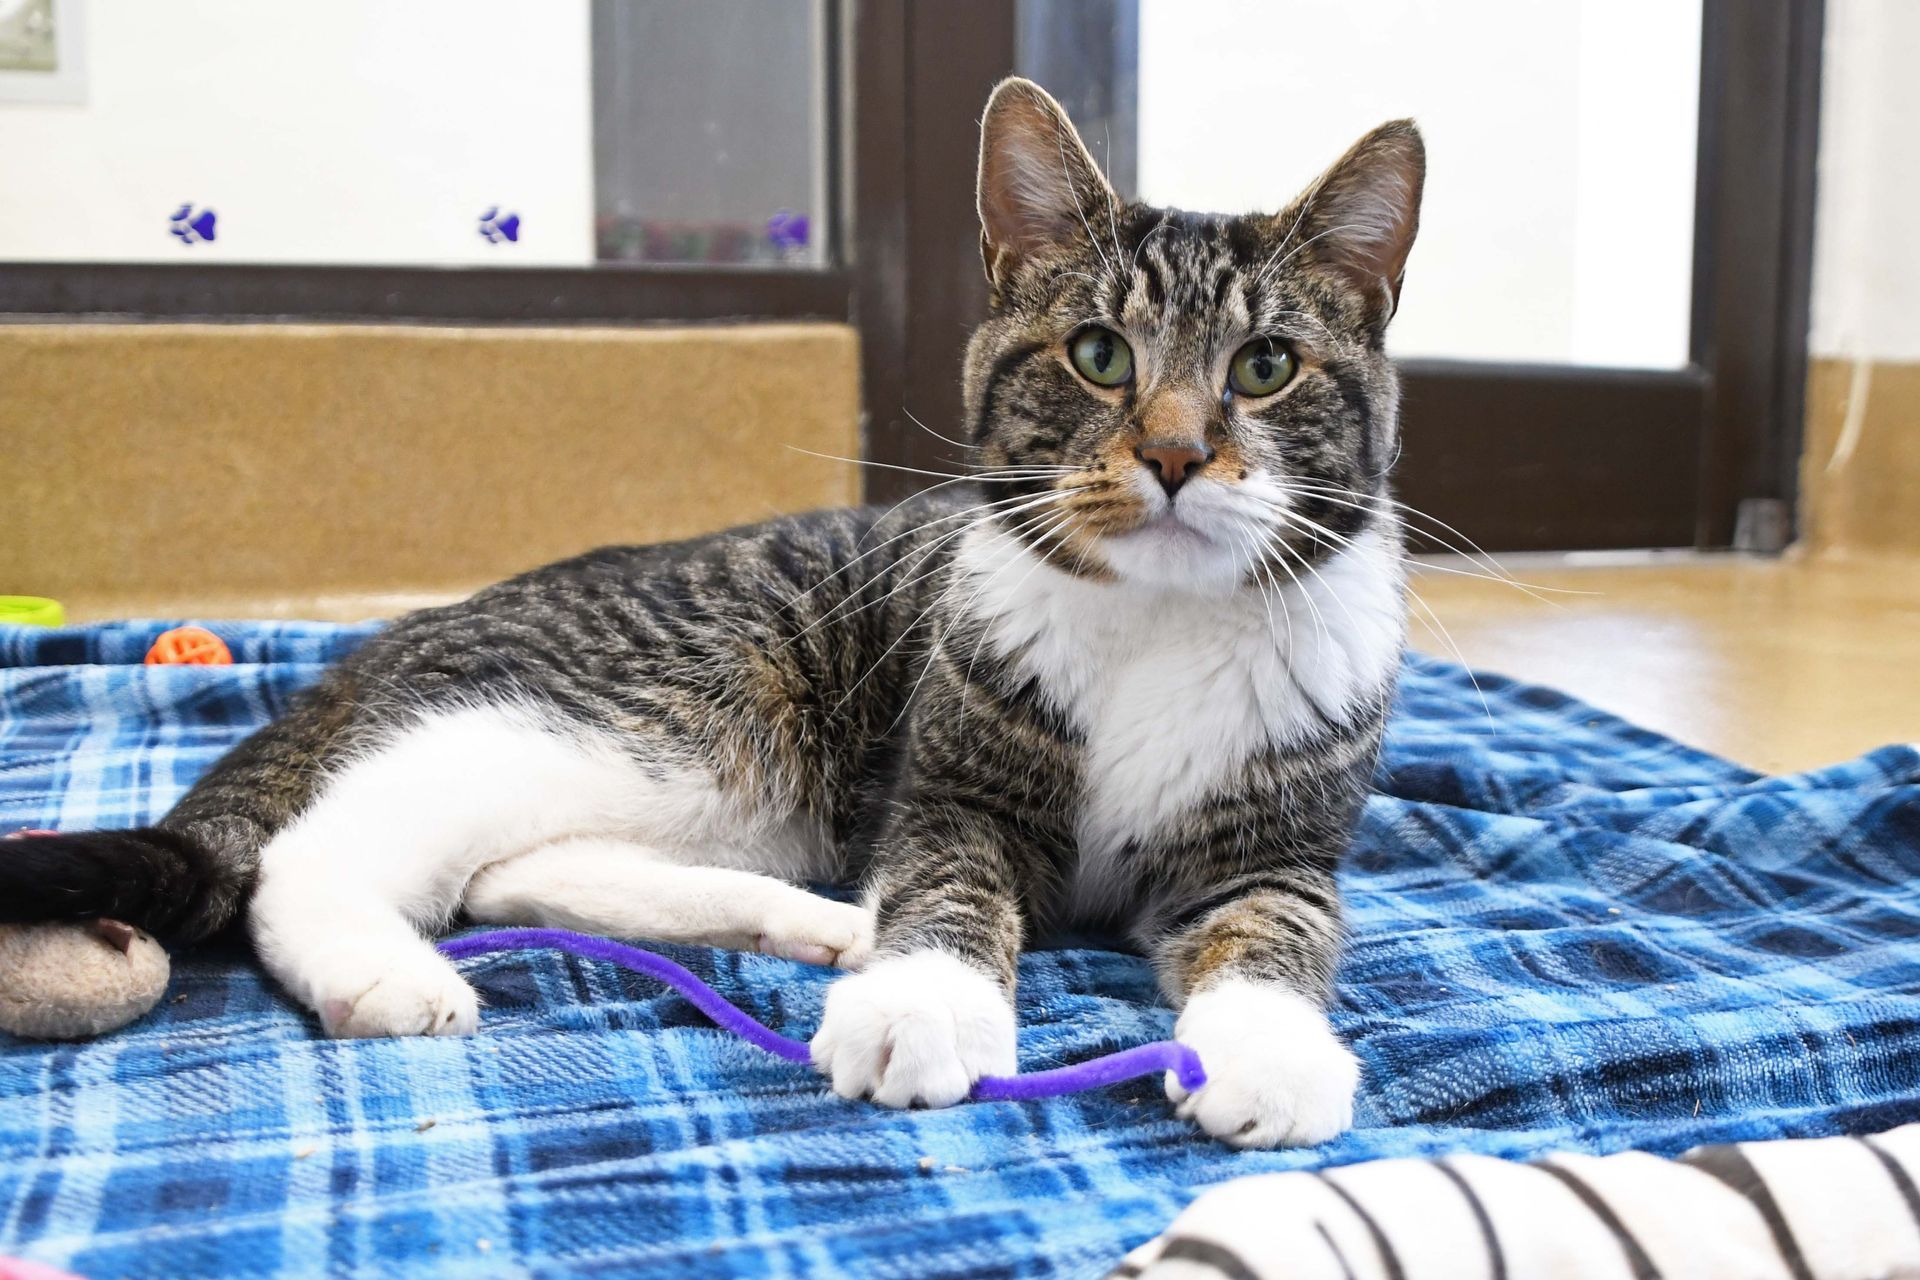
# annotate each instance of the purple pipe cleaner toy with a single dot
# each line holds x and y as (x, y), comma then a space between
(1095, 1073)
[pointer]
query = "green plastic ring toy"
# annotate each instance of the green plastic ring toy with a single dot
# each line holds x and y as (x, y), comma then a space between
(32, 611)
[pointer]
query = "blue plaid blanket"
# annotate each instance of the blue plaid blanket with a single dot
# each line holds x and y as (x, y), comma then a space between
(1568, 933)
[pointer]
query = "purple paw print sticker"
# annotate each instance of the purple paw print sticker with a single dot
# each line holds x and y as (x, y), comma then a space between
(788, 230)
(191, 227)
(494, 227)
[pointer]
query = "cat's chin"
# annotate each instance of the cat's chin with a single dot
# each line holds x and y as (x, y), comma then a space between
(1169, 552)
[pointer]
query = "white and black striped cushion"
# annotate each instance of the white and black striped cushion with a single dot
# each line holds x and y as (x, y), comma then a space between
(1795, 1209)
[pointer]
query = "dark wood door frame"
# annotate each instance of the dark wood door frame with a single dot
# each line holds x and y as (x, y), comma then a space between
(1753, 258)
(918, 304)
(1516, 456)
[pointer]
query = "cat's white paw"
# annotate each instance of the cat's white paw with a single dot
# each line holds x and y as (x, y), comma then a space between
(408, 993)
(1277, 1076)
(816, 930)
(914, 1030)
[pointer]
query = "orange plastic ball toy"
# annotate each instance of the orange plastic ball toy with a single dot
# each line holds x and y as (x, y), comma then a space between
(189, 646)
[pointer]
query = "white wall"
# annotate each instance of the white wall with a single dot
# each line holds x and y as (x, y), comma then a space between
(1558, 221)
(1866, 263)
(354, 131)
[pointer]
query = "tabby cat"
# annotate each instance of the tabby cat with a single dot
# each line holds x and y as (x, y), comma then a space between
(1134, 680)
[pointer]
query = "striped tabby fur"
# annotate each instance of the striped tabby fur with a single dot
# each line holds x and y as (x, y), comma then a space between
(1072, 691)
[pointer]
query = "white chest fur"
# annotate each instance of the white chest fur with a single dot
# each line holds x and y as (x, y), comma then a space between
(1175, 691)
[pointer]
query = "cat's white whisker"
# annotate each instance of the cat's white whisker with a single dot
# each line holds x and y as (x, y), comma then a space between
(1303, 245)
(958, 444)
(1033, 475)
(1446, 637)
(1260, 278)
(923, 555)
(1417, 599)
(962, 612)
(1498, 573)
(905, 533)
(1332, 594)
(986, 626)
(905, 632)
(1018, 473)
(1274, 543)
(1078, 207)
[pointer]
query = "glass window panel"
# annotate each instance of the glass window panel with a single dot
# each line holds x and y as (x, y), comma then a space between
(1558, 219)
(708, 131)
(424, 133)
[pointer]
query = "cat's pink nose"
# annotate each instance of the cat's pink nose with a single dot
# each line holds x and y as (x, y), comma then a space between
(1173, 464)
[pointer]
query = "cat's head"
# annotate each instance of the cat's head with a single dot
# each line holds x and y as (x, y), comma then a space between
(1179, 398)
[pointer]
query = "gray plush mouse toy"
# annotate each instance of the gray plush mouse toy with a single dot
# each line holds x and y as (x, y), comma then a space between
(74, 980)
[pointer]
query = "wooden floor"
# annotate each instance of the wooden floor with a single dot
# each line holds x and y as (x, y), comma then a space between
(1779, 664)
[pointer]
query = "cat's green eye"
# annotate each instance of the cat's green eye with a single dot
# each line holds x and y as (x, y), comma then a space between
(1261, 368)
(1102, 357)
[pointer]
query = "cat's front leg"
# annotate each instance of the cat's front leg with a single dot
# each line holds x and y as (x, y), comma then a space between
(1254, 971)
(933, 1011)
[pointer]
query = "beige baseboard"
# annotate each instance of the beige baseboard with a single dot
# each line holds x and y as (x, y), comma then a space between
(257, 470)
(1860, 469)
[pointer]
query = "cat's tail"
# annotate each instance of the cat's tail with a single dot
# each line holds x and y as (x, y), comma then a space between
(190, 876)
(172, 883)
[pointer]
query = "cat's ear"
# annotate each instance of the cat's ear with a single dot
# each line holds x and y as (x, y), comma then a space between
(1360, 216)
(1039, 189)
